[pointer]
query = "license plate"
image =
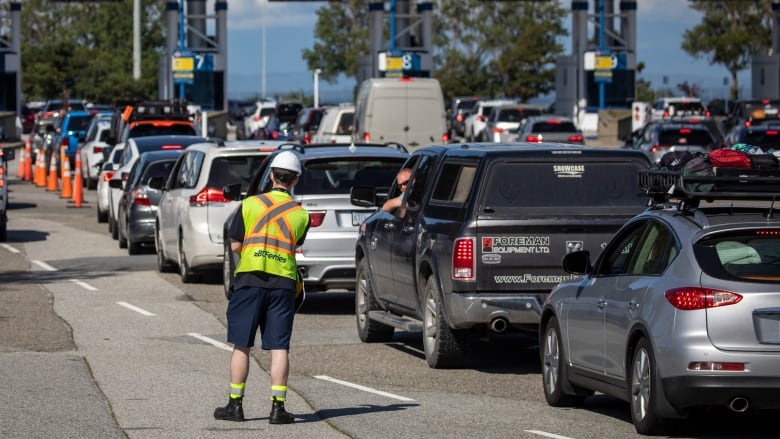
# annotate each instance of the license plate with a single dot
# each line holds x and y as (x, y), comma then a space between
(359, 217)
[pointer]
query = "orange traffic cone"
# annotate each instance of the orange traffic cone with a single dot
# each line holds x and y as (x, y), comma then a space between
(28, 160)
(78, 183)
(52, 183)
(67, 184)
(40, 169)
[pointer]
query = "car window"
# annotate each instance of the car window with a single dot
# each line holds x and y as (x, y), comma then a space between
(455, 182)
(654, 252)
(345, 123)
(144, 130)
(159, 169)
(338, 175)
(616, 258)
(233, 169)
(415, 192)
(553, 127)
(684, 136)
(78, 123)
(751, 255)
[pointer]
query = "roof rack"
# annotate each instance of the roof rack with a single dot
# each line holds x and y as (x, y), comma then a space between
(159, 109)
(725, 184)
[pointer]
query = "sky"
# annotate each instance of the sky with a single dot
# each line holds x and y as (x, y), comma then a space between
(289, 28)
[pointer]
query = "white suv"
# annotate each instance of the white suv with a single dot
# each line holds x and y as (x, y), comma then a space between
(256, 121)
(475, 123)
(192, 209)
(336, 125)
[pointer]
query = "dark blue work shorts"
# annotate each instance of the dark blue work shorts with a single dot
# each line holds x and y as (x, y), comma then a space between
(271, 310)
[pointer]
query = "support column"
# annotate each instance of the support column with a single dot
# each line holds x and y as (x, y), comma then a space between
(579, 34)
(628, 24)
(220, 58)
(16, 45)
(375, 12)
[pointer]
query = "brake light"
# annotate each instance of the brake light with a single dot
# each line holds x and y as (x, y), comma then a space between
(306, 138)
(256, 119)
(171, 147)
(463, 259)
(693, 121)
(316, 217)
(97, 149)
(576, 138)
(481, 118)
(771, 132)
(666, 113)
(685, 131)
(656, 148)
(366, 136)
(207, 196)
(498, 130)
(553, 122)
(765, 101)
(536, 138)
(768, 232)
(108, 176)
(695, 298)
(747, 123)
(459, 117)
(445, 138)
(139, 198)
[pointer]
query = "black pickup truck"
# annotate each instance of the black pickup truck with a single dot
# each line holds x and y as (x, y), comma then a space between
(478, 241)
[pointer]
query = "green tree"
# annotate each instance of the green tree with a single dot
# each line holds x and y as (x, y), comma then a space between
(729, 34)
(485, 48)
(86, 50)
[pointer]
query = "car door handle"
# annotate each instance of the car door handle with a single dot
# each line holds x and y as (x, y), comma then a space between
(601, 304)
(633, 306)
(389, 226)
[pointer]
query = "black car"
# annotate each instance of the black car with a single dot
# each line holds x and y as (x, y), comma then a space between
(766, 136)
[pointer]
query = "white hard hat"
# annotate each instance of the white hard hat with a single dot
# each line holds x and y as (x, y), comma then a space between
(287, 160)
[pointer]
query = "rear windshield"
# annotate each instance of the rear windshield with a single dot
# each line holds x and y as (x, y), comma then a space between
(752, 255)
(769, 139)
(232, 170)
(554, 127)
(582, 188)
(267, 112)
(78, 123)
(337, 176)
(465, 105)
(684, 136)
(157, 169)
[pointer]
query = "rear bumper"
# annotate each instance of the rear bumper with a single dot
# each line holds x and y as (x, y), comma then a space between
(327, 273)
(719, 390)
(469, 310)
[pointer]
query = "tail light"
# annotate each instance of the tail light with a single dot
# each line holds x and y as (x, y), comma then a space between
(207, 196)
(459, 117)
(481, 118)
(316, 217)
(656, 148)
(256, 119)
(445, 138)
(576, 139)
(498, 130)
(535, 138)
(2, 177)
(140, 198)
(366, 137)
(771, 132)
(666, 113)
(97, 149)
(553, 122)
(306, 138)
(108, 176)
(65, 142)
(275, 134)
(747, 123)
(695, 298)
(685, 131)
(463, 259)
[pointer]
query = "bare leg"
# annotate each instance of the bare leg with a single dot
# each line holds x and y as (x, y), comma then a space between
(280, 367)
(239, 365)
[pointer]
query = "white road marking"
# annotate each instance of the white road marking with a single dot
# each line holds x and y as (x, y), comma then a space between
(211, 341)
(84, 285)
(10, 248)
(44, 265)
(135, 308)
(545, 434)
(363, 388)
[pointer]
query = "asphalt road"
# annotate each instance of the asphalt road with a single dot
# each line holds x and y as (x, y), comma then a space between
(95, 343)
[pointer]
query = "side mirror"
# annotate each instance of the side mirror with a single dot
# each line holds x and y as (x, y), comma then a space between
(363, 196)
(232, 192)
(577, 262)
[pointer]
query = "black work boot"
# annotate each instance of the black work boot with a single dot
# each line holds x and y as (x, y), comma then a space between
(279, 415)
(233, 411)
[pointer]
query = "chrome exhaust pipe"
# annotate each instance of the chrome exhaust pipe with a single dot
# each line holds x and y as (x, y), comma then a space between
(303, 272)
(499, 324)
(739, 404)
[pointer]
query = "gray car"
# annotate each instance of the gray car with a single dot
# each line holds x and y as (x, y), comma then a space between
(680, 310)
(547, 128)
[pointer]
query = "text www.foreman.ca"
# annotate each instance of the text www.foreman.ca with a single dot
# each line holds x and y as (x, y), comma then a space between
(528, 278)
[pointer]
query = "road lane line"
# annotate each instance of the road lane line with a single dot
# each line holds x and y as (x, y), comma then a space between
(10, 248)
(363, 388)
(44, 265)
(84, 285)
(545, 434)
(211, 341)
(135, 308)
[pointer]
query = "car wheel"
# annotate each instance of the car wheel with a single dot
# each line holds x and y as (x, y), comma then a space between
(368, 330)
(3, 230)
(112, 226)
(643, 386)
(187, 276)
(444, 347)
(133, 247)
(554, 369)
(227, 271)
(102, 217)
(163, 264)
(91, 183)
(121, 234)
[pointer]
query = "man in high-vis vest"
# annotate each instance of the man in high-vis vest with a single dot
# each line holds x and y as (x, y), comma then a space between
(265, 231)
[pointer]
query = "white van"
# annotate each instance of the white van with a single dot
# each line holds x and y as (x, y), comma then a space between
(409, 111)
(336, 125)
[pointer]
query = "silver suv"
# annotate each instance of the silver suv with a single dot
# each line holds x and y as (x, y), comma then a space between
(327, 259)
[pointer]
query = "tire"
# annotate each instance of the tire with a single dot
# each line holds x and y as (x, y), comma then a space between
(113, 226)
(369, 331)
(121, 233)
(643, 391)
(133, 247)
(186, 273)
(163, 264)
(554, 369)
(444, 347)
(91, 183)
(102, 217)
(3, 230)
